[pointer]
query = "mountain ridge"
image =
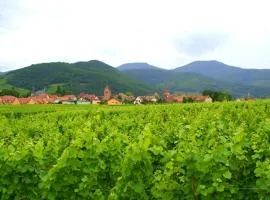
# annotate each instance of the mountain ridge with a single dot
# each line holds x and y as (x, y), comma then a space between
(213, 75)
(137, 66)
(90, 76)
(139, 78)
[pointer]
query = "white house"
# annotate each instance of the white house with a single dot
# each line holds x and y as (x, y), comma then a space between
(138, 100)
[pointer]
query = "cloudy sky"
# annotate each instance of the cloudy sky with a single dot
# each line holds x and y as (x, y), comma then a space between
(165, 33)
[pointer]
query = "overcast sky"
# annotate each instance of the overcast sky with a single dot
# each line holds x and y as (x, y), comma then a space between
(165, 33)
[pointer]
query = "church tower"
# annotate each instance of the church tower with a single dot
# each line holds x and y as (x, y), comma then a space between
(166, 94)
(107, 93)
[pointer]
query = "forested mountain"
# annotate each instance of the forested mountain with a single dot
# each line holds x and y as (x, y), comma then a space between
(77, 77)
(139, 78)
(136, 66)
(201, 75)
(221, 71)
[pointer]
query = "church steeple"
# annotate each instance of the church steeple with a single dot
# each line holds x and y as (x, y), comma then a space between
(107, 93)
(166, 93)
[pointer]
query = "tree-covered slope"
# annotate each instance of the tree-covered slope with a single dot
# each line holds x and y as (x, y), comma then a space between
(79, 77)
(136, 66)
(221, 71)
(194, 78)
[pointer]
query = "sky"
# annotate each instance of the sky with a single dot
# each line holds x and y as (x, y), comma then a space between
(164, 33)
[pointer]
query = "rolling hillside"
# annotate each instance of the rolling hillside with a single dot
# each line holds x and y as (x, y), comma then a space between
(139, 78)
(221, 71)
(202, 75)
(78, 77)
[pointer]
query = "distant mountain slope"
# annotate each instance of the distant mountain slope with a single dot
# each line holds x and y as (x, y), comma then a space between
(221, 71)
(89, 76)
(176, 82)
(194, 78)
(136, 66)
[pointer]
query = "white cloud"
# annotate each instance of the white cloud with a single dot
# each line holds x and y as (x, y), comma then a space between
(164, 33)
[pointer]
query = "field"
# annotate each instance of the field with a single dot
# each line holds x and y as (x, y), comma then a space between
(184, 151)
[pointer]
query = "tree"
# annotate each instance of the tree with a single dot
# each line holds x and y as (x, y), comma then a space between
(188, 100)
(61, 91)
(129, 94)
(10, 92)
(58, 90)
(217, 95)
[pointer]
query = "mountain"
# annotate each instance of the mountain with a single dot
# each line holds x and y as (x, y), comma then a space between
(231, 74)
(78, 77)
(201, 75)
(136, 66)
(139, 78)
(177, 82)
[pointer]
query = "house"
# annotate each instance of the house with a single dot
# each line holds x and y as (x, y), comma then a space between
(152, 99)
(87, 97)
(39, 100)
(68, 102)
(1, 101)
(10, 100)
(43, 96)
(67, 99)
(125, 98)
(240, 99)
(251, 99)
(145, 99)
(96, 101)
(172, 98)
(138, 101)
(82, 102)
(91, 98)
(53, 99)
(26, 101)
(175, 98)
(202, 99)
(113, 101)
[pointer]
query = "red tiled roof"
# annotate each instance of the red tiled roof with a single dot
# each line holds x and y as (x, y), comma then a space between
(44, 96)
(52, 98)
(178, 99)
(89, 97)
(39, 100)
(199, 98)
(68, 98)
(174, 98)
(8, 99)
(24, 100)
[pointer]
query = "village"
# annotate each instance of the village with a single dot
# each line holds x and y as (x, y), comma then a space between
(107, 98)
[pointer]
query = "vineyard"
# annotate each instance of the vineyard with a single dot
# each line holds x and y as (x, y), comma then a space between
(182, 151)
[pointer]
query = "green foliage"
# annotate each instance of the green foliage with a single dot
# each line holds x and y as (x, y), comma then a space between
(5, 86)
(61, 91)
(202, 75)
(217, 95)
(89, 77)
(188, 100)
(10, 92)
(189, 151)
(129, 94)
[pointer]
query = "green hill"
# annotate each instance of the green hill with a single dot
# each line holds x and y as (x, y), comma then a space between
(78, 77)
(196, 78)
(231, 74)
